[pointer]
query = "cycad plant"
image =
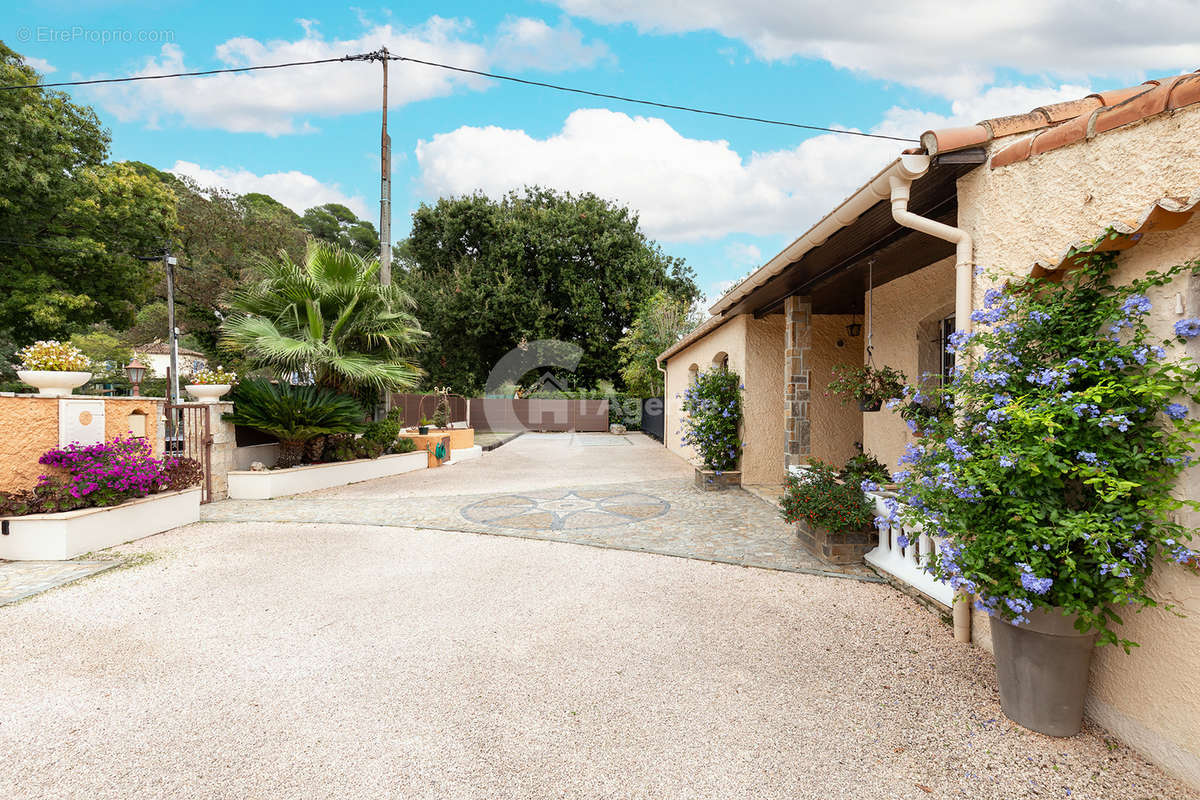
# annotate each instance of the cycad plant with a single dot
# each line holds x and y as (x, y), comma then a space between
(294, 414)
(329, 321)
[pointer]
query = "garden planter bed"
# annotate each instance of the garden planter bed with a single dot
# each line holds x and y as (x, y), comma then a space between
(58, 537)
(245, 485)
(836, 548)
(711, 481)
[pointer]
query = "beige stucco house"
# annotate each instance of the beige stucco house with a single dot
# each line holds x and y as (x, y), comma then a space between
(1011, 195)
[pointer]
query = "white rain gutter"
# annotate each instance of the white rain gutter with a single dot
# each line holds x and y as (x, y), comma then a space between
(964, 270)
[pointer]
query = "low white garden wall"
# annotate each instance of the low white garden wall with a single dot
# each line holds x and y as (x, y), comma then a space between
(57, 537)
(466, 453)
(245, 485)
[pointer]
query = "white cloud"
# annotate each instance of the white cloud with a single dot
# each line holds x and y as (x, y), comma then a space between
(294, 189)
(271, 101)
(40, 64)
(525, 44)
(741, 254)
(952, 49)
(692, 189)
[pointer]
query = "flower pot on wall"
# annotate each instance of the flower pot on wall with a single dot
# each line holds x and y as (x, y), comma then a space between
(870, 405)
(207, 392)
(1042, 666)
(50, 383)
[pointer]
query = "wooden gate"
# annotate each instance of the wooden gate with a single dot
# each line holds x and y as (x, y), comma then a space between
(188, 435)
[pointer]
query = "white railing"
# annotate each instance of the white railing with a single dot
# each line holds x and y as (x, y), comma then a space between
(905, 563)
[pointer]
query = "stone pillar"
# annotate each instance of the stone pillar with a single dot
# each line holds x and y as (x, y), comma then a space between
(797, 369)
(223, 445)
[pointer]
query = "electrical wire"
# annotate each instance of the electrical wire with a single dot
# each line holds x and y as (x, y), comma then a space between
(654, 103)
(133, 78)
(381, 55)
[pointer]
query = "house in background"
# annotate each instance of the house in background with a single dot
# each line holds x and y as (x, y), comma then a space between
(157, 356)
(1011, 195)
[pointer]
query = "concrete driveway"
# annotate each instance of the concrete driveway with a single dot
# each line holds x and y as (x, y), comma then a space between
(312, 660)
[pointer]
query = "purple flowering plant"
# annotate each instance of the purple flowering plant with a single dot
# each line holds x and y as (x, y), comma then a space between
(1052, 484)
(713, 417)
(100, 475)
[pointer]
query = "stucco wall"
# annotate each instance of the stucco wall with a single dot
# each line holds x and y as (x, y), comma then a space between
(755, 349)
(29, 427)
(1034, 210)
(900, 307)
(836, 426)
(763, 429)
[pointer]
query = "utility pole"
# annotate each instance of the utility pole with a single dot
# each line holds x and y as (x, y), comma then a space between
(385, 184)
(169, 263)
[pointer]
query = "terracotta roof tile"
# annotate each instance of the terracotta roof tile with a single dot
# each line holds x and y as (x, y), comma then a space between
(1017, 123)
(1060, 124)
(1058, 112)
(1017, 151)
(1185, 92)
(954, 139)
(1114, 96)
(1069, 132)
(1136, 108)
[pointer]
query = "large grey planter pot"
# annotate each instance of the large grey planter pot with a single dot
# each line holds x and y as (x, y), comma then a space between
(1042, 667)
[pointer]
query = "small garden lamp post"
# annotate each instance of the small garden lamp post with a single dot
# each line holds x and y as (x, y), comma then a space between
(135, 370)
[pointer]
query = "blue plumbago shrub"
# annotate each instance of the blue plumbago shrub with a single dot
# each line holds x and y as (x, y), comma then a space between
(712, 408)
(1051, 482)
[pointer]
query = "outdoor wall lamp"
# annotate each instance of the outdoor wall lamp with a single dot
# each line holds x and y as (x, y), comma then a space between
(854, 329)
(135, 371)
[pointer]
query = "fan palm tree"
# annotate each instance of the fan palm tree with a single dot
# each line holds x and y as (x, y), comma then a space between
(293, 414)
(329, 321)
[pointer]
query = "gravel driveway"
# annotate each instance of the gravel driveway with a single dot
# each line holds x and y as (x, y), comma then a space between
(273, 660)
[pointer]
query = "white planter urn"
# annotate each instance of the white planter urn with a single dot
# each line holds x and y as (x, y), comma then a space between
(50, 383)
(207, 392)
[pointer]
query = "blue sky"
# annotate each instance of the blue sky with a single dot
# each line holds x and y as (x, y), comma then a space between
(724, 194)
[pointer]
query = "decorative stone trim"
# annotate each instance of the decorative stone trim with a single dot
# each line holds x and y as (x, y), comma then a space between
(797, 372)
(711, 481)
(836, 548)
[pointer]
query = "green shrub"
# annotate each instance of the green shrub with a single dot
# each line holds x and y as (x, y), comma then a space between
(864, 467)
(404, 445)
(384, 432)
(820, 499)
(293, 414)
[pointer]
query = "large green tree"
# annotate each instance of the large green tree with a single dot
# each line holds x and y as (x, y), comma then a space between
(487, 274)
(71, 224)
(662, 321)
(338, 225)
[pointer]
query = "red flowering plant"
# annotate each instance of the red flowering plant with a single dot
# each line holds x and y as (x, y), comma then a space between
(99, 475)
(819, 498)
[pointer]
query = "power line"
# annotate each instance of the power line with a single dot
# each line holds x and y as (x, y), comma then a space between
(381, 55)
(654, 103)
(133, 78)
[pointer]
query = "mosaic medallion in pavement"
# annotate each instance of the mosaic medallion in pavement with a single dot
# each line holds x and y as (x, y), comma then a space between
(566, 509)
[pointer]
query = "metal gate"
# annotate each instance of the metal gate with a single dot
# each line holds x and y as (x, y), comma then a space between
(187, 434)
(653, 417)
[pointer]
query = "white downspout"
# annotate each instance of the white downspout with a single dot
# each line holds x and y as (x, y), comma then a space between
(964, 270)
